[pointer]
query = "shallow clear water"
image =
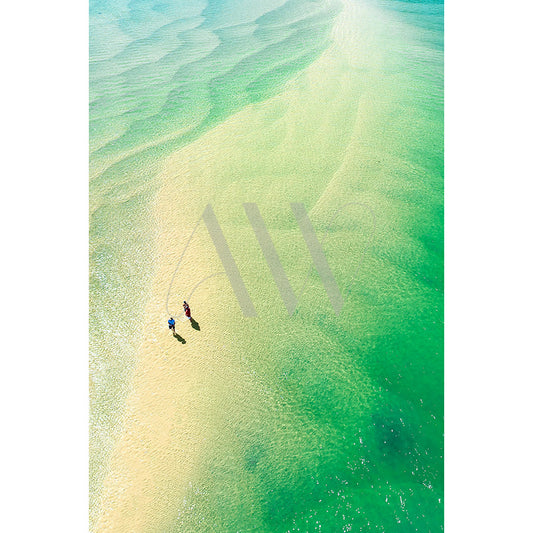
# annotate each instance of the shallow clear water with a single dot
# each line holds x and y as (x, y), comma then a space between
(160, 75)
(320, 422)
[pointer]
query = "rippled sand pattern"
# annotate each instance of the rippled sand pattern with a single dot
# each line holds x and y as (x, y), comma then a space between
(313, 422)
(160, 75)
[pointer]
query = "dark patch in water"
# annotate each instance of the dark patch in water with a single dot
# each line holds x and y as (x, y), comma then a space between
(253, 455)
(394, 439)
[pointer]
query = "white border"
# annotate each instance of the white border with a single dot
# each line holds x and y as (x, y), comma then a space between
(488, 266)
(44, 266)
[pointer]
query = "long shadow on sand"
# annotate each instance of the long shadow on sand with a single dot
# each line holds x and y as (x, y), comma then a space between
(179, 337)
(195, 324)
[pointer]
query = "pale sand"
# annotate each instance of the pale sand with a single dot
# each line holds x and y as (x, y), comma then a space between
(316, 142)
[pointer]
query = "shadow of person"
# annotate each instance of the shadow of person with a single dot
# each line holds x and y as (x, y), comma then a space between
(181, 339)
(195, 324)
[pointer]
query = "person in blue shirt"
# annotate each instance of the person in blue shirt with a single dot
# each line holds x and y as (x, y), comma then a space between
(172, 324)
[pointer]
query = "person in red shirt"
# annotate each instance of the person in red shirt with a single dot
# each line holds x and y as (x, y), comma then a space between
(187, 310)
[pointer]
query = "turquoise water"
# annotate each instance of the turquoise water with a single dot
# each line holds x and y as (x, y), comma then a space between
(161, 74)
(343, 428)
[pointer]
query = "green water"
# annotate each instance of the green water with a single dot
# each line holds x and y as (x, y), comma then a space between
(338, 422)
(160, 75)
(342, 427)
